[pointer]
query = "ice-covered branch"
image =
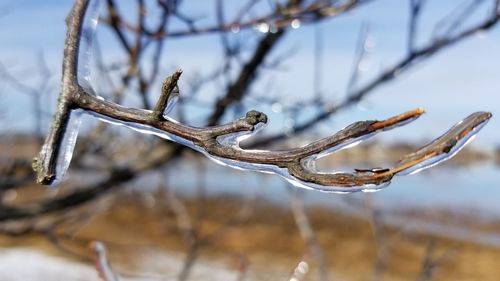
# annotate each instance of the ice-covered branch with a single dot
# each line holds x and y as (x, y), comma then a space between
(221, 143)
(45, 164)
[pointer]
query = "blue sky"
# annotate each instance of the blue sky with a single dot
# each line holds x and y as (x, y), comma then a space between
(456, 82)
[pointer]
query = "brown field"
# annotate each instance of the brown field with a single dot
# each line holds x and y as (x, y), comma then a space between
(264, 242)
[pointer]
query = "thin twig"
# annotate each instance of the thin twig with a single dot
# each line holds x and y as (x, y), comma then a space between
(415, 9)
(308, 235)
(359, 56)
(102, 265)
(281, 18)
(431, 262)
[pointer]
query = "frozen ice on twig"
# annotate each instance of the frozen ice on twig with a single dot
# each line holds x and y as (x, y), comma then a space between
(85, 53)
(444, 147)
(67, 145)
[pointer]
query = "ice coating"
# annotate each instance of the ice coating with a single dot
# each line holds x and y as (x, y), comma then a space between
(67, 145)
(145, 129)
(309, 162)
(446, 146)
(333, 189)
(234, 139)
(171, 104)
(353, 141)
(431, 162)
(172, 101)
(84, 56)
(285, 174)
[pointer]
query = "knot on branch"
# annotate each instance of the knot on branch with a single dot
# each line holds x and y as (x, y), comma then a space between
(254, 117)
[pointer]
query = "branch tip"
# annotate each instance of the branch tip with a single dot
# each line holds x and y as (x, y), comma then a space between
(169, 89)
(254, 117)
(42, 177)
(399, 119)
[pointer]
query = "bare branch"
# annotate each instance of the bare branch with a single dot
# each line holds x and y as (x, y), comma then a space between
(102, 266)
(431, 261)
(88, 193)
(114, 21)
(247, 74)
(415, 9)
(279, 19)
(35, 93)
(14, 173)
(456, 18)
(359, 56)
(65, 202)
(308, 235)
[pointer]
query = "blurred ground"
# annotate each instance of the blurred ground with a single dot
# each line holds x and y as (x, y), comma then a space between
(150, 235)
(143, 240)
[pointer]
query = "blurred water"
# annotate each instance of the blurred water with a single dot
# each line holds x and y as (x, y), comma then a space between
(469, 195)
(473, 189)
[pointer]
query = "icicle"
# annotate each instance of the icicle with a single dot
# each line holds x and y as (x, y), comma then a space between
(67, 145)
(84, 57)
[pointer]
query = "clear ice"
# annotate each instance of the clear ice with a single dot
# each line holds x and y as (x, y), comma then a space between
(433, 161)
(67, 145)
(172, 101)
(89, 27)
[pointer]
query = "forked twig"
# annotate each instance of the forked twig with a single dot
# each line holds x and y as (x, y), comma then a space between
(221, 143)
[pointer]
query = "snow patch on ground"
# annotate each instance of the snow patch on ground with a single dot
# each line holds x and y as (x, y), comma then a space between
(25, 264)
